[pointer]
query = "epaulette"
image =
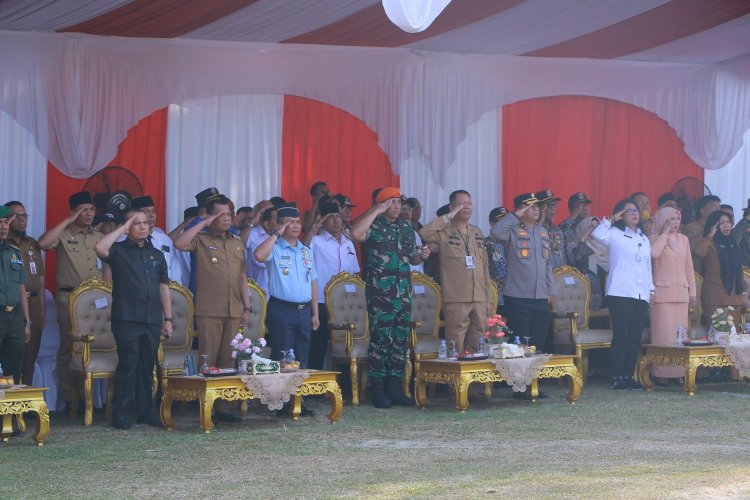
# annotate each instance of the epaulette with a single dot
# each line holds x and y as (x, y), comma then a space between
(14, 247)
(236, 237)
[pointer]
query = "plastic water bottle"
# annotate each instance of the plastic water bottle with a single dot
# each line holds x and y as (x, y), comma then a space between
(680, 336)
(747, 327)
(1, 369)
(481, 345)
(186, 366)
(443, 350)
(517, 340)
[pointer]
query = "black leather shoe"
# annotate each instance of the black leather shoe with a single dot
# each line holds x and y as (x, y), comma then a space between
(225, 416)
(149, 420)
(620, 383)
(634, 385)
(121, 423)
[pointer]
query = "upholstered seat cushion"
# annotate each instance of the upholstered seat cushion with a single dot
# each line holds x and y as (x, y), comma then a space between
(99, 362)
(427, 346)
(585, 336)
(359, 350)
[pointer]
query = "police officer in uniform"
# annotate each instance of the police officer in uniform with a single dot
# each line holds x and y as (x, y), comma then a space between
(390, 248)
(464, 270)
(222, 301)
(15, 327)
(33, 263)
(529, 286)
(74, 239)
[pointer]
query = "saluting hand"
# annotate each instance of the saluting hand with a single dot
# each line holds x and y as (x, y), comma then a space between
(522, 210)
(713, 230)
(384, 205)
(74, 215)
(453, 212)
(126, 227)
(667, 228)
(618, 216)
(282, 227)
(424, 253)
(209, 219)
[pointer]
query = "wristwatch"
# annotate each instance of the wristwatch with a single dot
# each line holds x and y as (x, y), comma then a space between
(168, 319)
(27, 322)
(277, 234)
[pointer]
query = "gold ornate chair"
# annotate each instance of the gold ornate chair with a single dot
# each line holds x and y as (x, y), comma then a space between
(349, 328)
(570, 312)
(696, 328)
(172, 351)
(424, 340)
(745, 310)
(256, 327)
(94, 349)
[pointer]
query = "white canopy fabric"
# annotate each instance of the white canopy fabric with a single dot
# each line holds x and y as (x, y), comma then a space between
(79, 94)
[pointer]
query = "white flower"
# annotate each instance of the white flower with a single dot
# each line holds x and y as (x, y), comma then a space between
(719, 311)
(730, 308)
(722, 322)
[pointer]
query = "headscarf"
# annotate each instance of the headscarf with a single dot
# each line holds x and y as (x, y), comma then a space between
(730, 258)
(663, 218)
(601, 252)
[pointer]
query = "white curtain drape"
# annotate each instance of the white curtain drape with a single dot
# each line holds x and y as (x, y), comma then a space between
(232, 143)
(414, 16)
(732, 182)
(476, 170)
(24, 172)
(79, 94)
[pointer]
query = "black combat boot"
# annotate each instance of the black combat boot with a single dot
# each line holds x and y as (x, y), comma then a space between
(395, 392)
(377, 393)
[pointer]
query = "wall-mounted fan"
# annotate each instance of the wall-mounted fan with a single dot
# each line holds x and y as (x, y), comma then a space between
(686, 192)
(112, 188)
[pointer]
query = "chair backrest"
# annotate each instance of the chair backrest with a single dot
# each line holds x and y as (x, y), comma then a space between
(182, 317)
(256, 327)
(90, 310)
(572, 293)
(426, 303)
(346, 303)
(695, 316)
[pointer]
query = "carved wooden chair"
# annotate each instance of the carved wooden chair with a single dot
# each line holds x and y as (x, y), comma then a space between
(172, 351)
(94, 349)
(424, 340)
(570, 312)
(256, 327)
(696, 328)
(349, 328)
(745, 310)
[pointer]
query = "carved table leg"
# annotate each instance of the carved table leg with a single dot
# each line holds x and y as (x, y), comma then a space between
(296, 404)
(644, 372)
(21, 422)
(337, 402)
(165, 411)
(206, 408)
(691, 367)
(420, 392)
(488, 390)
(7, 428)
(575, 385)
(461, 384)
(534, 389)
(42, 421)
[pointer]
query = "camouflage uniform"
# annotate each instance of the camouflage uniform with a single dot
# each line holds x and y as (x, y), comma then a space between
(389, 248)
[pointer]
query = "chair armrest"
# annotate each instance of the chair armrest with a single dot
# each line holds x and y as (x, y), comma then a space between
(413, 334)
(565, 315)
(600, 313)
(348, 329)
(84, 338)
(571, 316)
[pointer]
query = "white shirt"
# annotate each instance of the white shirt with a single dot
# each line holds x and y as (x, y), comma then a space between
(331, 258)
(417, 267)
(629, 261)
(257, 270)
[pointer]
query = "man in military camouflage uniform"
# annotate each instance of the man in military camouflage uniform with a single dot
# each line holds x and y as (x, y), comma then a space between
(548, 206)
(391, 247)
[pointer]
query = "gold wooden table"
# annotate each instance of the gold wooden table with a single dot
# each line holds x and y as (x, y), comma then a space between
(22, 399)
(687, 357)
(460, 374)
(208, 389)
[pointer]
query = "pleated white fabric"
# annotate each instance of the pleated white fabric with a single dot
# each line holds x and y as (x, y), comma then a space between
(24, 172)
(232, 143)
(732, 182)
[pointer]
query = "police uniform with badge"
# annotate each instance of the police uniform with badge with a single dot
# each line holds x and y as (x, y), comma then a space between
(33, 263)
(529, 285)
(77, 261)
(14, 322)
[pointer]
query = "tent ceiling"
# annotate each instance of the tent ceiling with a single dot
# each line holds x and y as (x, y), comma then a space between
(696, 31)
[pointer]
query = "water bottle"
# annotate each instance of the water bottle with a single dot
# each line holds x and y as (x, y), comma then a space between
(711, 334)
(680, 336)
(517, 340)
(290, 356)
(481, 344)
(747, 327)
(443, 350)
(186, 366)
(1, 369)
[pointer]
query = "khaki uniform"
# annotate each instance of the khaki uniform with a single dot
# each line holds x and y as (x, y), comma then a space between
(76, 262)
(465, 291)
(33, 262)
(694, 232)
(220, 268)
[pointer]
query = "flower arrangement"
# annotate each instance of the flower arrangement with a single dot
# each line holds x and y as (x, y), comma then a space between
(245, 347)
(721, 319)
(497, 330)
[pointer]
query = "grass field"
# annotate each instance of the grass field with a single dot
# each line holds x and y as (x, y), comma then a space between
(611, 444)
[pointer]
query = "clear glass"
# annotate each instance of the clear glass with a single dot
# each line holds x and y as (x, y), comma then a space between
(454, 352)
(204, 363)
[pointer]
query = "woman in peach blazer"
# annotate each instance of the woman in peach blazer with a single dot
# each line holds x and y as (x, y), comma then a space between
(674, 281)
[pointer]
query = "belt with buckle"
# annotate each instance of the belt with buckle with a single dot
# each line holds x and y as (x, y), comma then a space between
(8, 309)
(297, 305)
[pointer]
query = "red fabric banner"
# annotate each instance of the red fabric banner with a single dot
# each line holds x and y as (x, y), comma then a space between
(142, 152)
(605, 148)
(324, 143)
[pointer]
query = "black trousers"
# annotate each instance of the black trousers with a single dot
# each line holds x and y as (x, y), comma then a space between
(528, 318)
(12, 344)
(319, 340)
(628, 320)
(289, 328)
(137, 346)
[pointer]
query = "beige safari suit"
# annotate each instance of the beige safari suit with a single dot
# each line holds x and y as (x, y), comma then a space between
(465, 292)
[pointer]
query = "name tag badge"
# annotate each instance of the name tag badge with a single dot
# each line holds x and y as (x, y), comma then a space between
(165, 249)
(469, 262)
(32, 267)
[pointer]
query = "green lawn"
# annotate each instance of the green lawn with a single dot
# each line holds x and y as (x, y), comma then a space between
(610, 444)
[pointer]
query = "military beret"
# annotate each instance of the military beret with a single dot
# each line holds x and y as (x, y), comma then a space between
(4, 212)
(288, 210)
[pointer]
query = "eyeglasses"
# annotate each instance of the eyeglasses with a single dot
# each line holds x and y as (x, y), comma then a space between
(631, 211)
(22, 216)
